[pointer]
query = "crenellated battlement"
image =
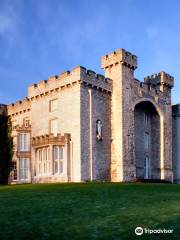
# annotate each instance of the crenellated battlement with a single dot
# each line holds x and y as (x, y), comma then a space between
(145, 88)
(51, 139)
(161, 78)
(19, 106)
(119, 56)
(77, 74)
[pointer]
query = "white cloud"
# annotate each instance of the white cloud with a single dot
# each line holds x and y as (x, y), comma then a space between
(6, 24)
(9, 20)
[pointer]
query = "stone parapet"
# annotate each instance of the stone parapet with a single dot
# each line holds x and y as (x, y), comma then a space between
(23, 128)
(47, 139)
(19, 106)
(161, 78)
(119, 56)
(69, 78)
(151, 90)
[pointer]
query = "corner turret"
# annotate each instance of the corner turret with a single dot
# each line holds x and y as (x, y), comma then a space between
(161, 81)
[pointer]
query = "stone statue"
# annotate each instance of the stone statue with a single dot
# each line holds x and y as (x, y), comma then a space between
(99, 130)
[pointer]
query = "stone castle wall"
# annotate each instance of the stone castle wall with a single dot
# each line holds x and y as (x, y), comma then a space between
(98, 150)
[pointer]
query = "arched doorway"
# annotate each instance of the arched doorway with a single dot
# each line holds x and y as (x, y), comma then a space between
(147, 141)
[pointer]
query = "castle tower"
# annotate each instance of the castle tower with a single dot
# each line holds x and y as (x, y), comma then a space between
(119, 66)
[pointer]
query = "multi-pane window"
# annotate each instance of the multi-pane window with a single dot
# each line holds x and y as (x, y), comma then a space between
(53, 105)
(24, 142)
(146, 141)
(58, 159)
(43, 161)
(24, 168)
(54, 126)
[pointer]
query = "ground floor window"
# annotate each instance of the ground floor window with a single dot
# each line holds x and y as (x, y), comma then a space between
(14, 171)
(146, 167)
(58, 156)
(24, 168)
(43, 161)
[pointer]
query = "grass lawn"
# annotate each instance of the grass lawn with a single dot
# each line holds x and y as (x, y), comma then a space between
(104, 211)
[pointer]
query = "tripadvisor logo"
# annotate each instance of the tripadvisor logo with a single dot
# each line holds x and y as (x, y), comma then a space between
(139, 231)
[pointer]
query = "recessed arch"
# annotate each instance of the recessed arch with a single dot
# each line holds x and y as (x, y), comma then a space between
(152, 102)
(147, 139)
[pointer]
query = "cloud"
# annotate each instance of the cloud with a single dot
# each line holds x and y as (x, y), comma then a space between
(9, 20)
(6, 24)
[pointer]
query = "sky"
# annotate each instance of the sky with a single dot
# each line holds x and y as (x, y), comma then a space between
(42, 38)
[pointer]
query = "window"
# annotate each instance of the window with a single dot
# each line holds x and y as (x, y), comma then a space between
(53, 105)
(14, 125)
(146, 167)
(27, 122)
(24, 168)
(58, 159)
(24, 142)
(54, 126)
(146, 119)
(146, 141)
(43, 161)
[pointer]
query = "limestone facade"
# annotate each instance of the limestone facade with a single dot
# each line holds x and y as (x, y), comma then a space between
(82, 126)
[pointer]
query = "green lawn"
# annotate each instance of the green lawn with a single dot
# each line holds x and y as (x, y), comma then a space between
(104, 211)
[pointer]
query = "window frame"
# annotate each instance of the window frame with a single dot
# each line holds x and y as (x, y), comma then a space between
(51, 108)
(146, 141)
(50, 126)
(24, 142)
(24, 170)
(146, 167)
(43, 162)
(59, 160)
(146, 119)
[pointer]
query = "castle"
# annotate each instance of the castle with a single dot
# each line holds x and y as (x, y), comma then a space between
(82, 126)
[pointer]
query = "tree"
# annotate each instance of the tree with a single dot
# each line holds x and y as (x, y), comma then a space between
(6, 148)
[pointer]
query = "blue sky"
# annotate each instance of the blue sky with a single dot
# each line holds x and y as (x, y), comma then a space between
(41, 38)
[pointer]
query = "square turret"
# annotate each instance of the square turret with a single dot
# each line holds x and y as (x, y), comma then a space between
(119, 56)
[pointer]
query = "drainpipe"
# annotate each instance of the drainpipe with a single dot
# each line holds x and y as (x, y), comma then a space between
(90, 133)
